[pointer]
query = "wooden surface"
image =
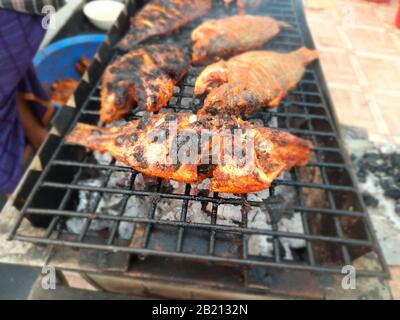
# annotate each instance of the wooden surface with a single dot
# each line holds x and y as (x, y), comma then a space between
(395, 283)
(63, 292)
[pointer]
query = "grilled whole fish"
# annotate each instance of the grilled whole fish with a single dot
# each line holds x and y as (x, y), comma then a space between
(252, 80)
(161, 17)
(229, 36)
(237, 157)
(145, 78)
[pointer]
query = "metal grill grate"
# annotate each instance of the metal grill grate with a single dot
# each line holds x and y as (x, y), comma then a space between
(336, 226)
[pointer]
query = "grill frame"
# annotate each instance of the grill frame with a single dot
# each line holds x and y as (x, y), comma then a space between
(84, 95)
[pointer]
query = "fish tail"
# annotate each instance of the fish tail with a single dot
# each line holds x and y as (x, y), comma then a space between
(307, 55)
(284, 25)
(89, 136)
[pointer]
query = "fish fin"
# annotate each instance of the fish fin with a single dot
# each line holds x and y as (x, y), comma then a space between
(307, 55)
(284, 25)
(89, 136)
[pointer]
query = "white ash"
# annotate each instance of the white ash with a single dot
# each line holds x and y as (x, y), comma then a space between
(259, 245)
(197, 215)
(87, 203)
(143, 182)
(231, 215)
(179, 187)
(171, 209)
(136, 207)
(385, 220)
(110, 203)
(386, 206)
(102, 158)
(378, 171)
(292, 225)
(388, 148)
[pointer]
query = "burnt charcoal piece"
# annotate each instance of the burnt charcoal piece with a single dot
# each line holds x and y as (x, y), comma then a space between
(393, 192)
(362, 175)
(395, 160)
(397, 207)
(277, 208)
(385, 167)
(373, 161)
(370, 200)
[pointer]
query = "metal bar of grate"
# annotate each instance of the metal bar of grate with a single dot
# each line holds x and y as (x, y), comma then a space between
(194, 257)
(114, 228)
(183, 218)
(213, 227)
(214, 212)
(92, 215)
(345, 252)
(62, 205)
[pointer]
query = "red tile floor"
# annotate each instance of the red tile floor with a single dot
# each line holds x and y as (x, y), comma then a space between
(360, 55)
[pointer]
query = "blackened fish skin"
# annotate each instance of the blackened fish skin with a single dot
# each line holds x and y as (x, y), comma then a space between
(251, 169)
(162, 17)
(223, 38)
(145, 78)
(251, 81)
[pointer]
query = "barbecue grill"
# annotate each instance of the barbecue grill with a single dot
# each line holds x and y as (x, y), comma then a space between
(211, 255)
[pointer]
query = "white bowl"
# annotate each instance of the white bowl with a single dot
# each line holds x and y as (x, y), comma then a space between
(103, 13)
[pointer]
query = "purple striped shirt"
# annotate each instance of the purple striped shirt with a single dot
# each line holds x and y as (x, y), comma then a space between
(30, 6)
(20, 36)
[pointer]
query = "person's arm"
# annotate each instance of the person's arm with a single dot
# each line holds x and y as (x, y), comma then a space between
(30, 6)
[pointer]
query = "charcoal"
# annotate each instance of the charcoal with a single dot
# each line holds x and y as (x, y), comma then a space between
(386, 183)
(395, 160)
(393, 192)
(397, 207)
(277, 208)
(380, 165)
(362, 175)
(396, 178)
(370, 200)
(373, 161)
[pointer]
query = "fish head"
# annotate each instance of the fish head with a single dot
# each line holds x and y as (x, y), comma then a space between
(213, 76)
(116, 101)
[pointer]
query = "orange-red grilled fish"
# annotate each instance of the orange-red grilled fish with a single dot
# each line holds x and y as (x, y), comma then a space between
(229, 36)
(144, 78)
(82, 65)
(252, 80)
(161, 17)
(236, 156)
(61, 90)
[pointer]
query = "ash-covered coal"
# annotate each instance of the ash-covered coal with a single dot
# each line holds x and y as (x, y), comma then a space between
(281, 203)
(274, 210)
(108, 204)
(377, 167)
(385, 168)
(258, 217)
